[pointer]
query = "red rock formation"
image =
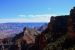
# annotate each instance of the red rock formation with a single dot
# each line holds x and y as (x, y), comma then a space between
(58, 26)
(29, 35)
(42, 41)
(71, 24)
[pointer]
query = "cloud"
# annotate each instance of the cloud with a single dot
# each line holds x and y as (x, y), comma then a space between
(38, 18)
(22, 15)
(40, 15)
(29, 18)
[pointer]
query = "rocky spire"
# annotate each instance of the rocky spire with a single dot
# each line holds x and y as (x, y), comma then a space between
(72, 12)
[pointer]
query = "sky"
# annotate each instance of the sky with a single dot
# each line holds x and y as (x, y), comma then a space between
(33, 10)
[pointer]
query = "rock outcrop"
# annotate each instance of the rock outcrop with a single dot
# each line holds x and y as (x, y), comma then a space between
(29, 35)
(22, 41)
(27, 38)
(60, 33)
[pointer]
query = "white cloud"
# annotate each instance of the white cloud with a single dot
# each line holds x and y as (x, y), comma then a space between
(38, 18)
(29, 18)
(22, 15)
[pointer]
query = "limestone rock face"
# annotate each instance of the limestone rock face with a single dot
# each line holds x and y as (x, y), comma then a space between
(29, 35)
(61, 27)
(26, 39)
(71, 24)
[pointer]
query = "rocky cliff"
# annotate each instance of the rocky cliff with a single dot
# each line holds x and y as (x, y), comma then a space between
(60, 33)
